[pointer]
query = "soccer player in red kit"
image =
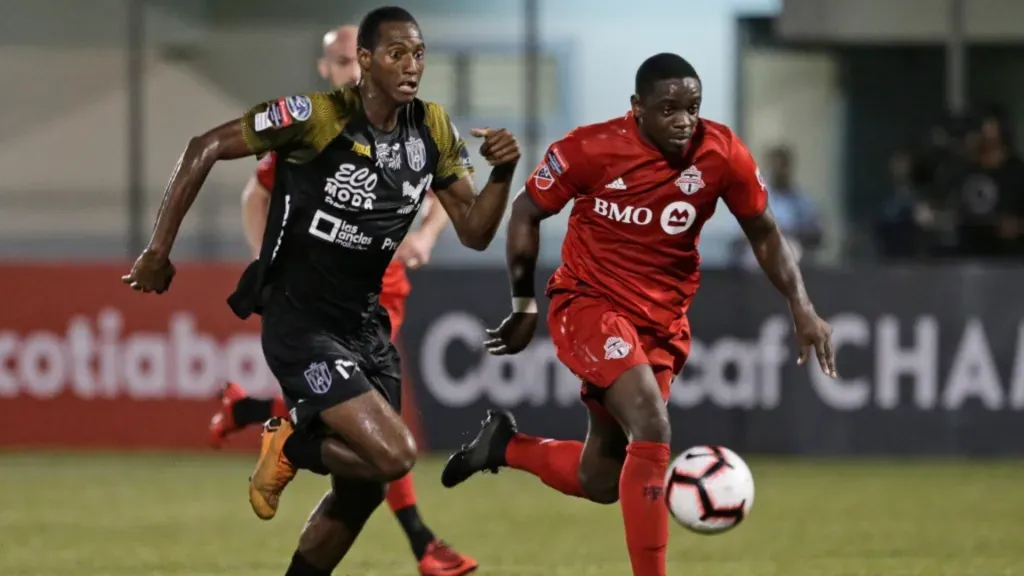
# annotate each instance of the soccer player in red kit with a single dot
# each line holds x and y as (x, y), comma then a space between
(643, 186)
(339, 67)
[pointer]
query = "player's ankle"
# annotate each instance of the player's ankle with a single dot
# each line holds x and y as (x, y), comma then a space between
(513, 442)
(300, 566)
(248, 411)
(305, 452)
(415, 529)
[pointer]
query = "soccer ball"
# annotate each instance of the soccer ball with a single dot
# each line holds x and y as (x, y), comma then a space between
(709, 489)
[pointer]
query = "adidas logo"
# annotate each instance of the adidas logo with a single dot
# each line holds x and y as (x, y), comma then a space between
(616, 184)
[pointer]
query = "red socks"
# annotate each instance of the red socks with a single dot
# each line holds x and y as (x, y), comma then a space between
(401, 494)
(555, 462)
(641, 490)
(642, 498)
(279, 408)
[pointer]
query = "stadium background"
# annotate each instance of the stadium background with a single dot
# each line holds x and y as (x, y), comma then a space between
(105, 394)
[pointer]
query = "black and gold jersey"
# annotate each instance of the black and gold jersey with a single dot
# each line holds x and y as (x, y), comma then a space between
(344, 196)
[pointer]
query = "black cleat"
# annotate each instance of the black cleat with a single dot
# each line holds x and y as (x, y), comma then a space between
(485, 453)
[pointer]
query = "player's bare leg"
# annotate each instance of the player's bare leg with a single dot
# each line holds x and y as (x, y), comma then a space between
(587, 470)
(624, 461)
(368, 446)
(434, 556)
(334, 525)
(635, 400)
(604, 452)
(367, 441)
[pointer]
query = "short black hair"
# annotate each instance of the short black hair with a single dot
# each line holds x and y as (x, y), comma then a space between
(369, 28)
(664, 66)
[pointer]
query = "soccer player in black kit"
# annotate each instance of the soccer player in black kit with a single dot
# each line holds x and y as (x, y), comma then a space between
(353, 167)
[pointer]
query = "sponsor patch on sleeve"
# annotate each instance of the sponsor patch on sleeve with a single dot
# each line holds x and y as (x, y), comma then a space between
(300, 107)
(556, 162)
(261, 121)
(275, 116)
(543, 177)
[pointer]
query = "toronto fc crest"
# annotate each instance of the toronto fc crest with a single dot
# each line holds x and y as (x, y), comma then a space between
(690, 181)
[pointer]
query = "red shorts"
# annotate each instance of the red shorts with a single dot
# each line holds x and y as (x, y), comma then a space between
(394, 290)
(599, 343)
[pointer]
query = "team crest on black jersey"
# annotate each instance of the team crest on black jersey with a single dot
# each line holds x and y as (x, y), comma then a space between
(318, 376)
(416, 152)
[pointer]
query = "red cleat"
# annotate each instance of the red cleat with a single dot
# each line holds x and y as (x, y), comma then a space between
(442, 560)
(223, 422)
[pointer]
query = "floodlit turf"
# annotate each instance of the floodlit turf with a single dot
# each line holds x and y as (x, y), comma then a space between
(188, 515)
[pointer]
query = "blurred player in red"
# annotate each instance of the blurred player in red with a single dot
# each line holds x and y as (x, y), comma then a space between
(338, 66)
(643, 185)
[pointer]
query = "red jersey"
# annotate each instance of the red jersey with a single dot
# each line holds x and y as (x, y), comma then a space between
(395, 282)
(636, 220)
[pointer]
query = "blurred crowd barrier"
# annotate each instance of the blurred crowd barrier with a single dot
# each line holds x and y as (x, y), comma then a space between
(924, 371)
(885, 129)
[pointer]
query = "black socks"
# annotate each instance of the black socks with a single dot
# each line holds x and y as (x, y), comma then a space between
(303, 451)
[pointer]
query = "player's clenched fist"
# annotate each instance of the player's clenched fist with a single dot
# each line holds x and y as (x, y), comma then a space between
(151, 273)
(500, 147)
(513, 335)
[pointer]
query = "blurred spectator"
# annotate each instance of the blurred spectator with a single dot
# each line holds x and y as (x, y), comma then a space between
(991, 195)
(907, 217)
(795, 212)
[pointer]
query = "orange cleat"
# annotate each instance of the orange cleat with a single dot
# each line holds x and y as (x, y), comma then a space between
(442, 560)
(273, 470)
(223, 422)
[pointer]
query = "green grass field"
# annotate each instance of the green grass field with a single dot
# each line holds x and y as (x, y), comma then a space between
(189, 515)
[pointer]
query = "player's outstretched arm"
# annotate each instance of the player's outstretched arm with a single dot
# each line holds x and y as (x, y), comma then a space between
(153, 271)
(780, 265)
(303, 125)
(747, 198)
(225, 142)
(565, 171)
(476, 217)
(522, 247)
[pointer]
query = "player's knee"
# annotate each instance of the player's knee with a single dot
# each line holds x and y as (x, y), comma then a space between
(657, 429)
(636, 402)
(599, 488)
(650, 424)
(351, 502)
(399, 458)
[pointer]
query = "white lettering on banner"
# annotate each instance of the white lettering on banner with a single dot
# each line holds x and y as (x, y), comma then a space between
(757, 367)
(8, 382)
(1017, 378)
(628, 214)
(918, 361)
(534, 376)
(972, 373)
(96, 360)
(737, 373)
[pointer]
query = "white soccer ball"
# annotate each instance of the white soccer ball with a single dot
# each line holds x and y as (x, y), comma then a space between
(709, 489)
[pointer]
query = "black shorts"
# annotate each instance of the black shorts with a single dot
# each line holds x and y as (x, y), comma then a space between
(319, 368)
